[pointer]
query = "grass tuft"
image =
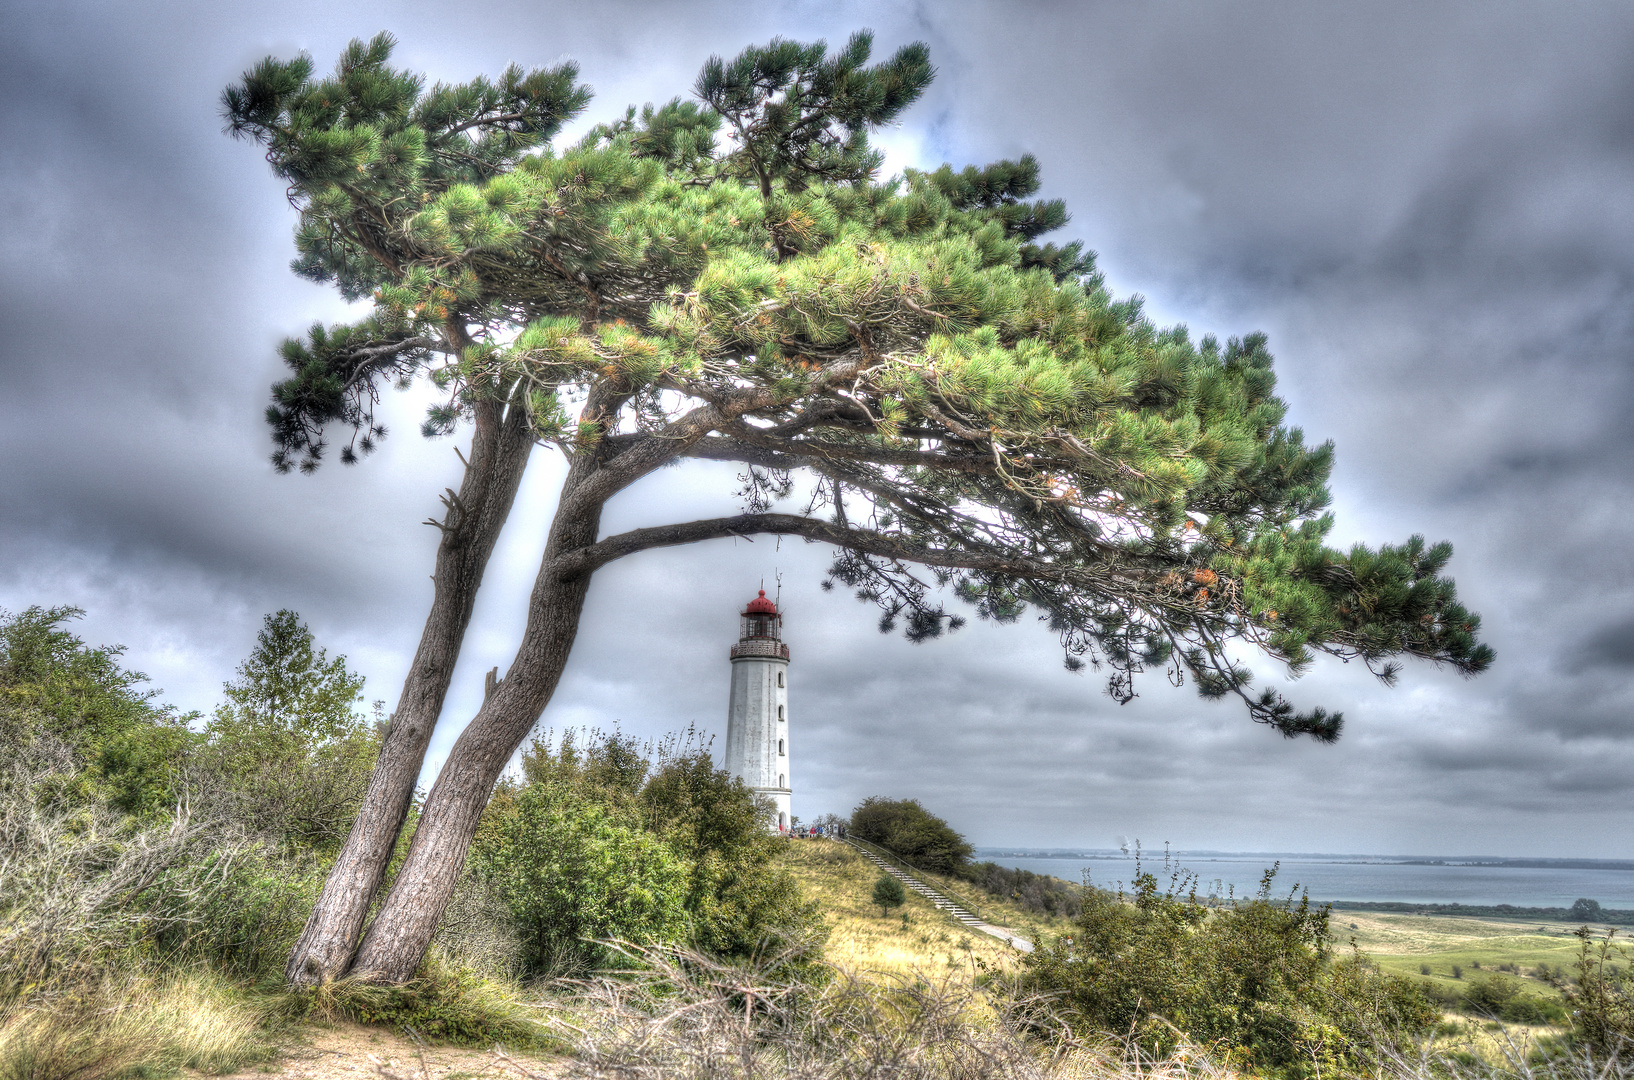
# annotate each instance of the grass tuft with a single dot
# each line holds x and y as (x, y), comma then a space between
(193, 1020)
(443, 1003)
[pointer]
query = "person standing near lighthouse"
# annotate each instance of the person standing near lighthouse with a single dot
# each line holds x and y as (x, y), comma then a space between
(757, 721)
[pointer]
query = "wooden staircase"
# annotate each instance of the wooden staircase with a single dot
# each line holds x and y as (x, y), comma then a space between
(939, 899)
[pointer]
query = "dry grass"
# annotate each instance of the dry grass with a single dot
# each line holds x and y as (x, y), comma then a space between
(861, 940)
(192, 1020)
(443, 1003)
(1504, 1055)
(681, 1016)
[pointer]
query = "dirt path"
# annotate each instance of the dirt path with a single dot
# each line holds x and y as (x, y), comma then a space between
(355, 1052)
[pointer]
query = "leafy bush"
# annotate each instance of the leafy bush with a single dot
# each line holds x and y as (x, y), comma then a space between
(288, 748)
(1033, 892)
(1600, 997)
(736, 896)
(126, 748)
(702, 854)
(572, 871)
(1503, 998)
(123, 838)
(911, 832)
(1254, 978)
(247, 921)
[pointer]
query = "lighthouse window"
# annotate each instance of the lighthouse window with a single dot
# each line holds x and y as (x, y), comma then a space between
(782, 780)
(780, 750)
(780, 678)
(780, 712)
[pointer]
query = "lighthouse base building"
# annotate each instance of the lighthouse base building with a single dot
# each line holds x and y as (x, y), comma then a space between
(757, 720)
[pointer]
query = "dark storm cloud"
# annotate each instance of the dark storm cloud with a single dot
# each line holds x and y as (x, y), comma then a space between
(1430, 208)
(1612, 646)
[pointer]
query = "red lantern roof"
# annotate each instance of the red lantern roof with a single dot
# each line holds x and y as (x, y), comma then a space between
(761, 606)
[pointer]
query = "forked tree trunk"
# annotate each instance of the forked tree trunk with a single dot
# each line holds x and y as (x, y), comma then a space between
(500, 447)
(400, 934)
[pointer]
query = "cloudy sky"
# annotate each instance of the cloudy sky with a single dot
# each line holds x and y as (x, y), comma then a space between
(1428, 206)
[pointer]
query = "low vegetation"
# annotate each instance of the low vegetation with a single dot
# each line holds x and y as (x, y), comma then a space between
(1265, 982)
(685, 1017)
(1037, 894)
(606, 838)
(911, 832)
(144, 882)
(915, 939)
(155, 869)
(1255, 979)
(888, 894)
(1582, 911)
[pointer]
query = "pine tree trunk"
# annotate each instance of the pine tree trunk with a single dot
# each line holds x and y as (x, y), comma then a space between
(500, 447)
(400, 934)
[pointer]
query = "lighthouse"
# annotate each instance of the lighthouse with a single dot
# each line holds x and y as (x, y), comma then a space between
(757, 718)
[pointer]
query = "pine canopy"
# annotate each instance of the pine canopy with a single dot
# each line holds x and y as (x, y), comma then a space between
(906, 372)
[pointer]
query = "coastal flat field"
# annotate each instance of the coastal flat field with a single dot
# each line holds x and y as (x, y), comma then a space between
(1407, 944)
(1455, 949)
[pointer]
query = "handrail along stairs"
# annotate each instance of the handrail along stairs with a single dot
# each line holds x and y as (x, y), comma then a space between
(887, 854)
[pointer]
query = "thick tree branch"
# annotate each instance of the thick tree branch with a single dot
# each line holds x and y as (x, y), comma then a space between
(720, 410)
(988, 560)
(828, 450)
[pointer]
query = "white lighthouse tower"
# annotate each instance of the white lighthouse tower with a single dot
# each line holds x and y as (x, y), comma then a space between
(757, 719)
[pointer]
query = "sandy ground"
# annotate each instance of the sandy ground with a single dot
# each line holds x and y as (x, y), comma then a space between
(354, 1052)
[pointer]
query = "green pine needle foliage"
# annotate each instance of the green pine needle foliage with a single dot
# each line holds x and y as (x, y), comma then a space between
(955, 391)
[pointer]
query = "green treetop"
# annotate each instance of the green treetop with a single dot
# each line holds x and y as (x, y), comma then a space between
(888, 893)
(731, 279)
(982, 400)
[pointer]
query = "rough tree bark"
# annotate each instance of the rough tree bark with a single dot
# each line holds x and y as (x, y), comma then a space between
(397, 939)
(500, 447)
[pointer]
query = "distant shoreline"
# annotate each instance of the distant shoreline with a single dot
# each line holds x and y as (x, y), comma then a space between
(1098, 854)
(1515, 888)
(1607, 916)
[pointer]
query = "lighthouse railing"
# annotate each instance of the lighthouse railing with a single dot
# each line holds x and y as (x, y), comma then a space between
(923, 875)
(768, 647)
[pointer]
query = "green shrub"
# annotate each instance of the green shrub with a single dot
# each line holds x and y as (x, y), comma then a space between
(688, 816)
(129, 841)
(1253, 978)
(1503, 998)
(1489, 996)
(1530, 1009)
(126, 749)
(737, 897)
(288, 751)
(1600, 999)
(246, 922)
(572, 871)
(888, 893)
(1032, 892)
(912, 833)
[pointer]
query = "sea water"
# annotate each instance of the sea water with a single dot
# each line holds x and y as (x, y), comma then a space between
(1351, 877)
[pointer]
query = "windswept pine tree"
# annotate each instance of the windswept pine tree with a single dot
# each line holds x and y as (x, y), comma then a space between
(729, 278)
